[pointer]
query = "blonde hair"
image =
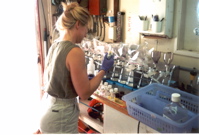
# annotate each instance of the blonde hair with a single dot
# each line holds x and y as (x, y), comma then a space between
(71, 14)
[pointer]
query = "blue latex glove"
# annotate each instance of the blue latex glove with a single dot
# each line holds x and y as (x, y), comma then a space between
(107, 63)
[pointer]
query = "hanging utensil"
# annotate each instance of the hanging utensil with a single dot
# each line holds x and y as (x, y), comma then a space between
(102, 28)
(120, 22)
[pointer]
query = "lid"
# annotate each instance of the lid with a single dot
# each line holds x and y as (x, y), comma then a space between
(106, 83)
(175, 97)
(109, 86)
(115, 90)
(111, 90)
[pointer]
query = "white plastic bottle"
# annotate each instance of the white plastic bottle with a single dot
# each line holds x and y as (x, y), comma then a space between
(90, 68)
(107, 93)
(111, 18)
(175, 110)
(104, 89)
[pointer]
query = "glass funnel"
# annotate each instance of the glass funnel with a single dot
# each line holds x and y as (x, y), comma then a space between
(155, 55)
(168, 57)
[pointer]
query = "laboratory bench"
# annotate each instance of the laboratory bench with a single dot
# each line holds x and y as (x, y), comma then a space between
(115, 117)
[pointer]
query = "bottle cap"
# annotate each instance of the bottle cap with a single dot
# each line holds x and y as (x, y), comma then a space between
(109, 86)
(106, 83)
(111, 90)
(175, 97)
(115, 90)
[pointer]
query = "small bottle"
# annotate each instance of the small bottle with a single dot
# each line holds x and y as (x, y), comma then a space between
(112, 95)
(175, 110)
(111, 18)
(107, 93)
(105, 88)
(90, 69)
(115, 90)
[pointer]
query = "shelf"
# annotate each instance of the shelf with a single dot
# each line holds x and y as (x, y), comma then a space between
(162, 8)
(153, 36)
(94, 123)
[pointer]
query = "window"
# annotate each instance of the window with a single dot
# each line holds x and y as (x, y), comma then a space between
(188, 20)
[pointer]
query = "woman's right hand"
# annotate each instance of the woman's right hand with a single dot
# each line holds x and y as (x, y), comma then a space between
(107, 63)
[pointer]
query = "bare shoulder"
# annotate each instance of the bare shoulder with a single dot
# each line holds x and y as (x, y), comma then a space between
(76, 51)
(75, 57)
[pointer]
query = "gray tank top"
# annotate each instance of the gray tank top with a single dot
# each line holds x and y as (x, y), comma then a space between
(57, 78)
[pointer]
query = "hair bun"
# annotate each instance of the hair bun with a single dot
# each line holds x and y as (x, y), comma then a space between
(69, 6)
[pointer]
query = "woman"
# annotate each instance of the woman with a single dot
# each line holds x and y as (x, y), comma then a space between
(66, 74)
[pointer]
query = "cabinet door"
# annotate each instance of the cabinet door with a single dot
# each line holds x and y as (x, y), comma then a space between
(117, 122)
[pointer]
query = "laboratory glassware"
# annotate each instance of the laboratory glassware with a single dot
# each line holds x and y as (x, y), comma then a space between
(155, 55)
(168, 57)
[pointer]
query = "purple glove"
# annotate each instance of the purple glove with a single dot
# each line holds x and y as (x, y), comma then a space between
(107, 63)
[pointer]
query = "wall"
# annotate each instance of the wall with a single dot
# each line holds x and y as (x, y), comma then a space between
(130, 7)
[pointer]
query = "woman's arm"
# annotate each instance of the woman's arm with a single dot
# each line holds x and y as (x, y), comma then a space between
(75, 62)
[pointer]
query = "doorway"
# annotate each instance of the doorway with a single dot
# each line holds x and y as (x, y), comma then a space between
(19, 85)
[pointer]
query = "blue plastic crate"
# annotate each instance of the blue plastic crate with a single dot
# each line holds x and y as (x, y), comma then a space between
(146, 105)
